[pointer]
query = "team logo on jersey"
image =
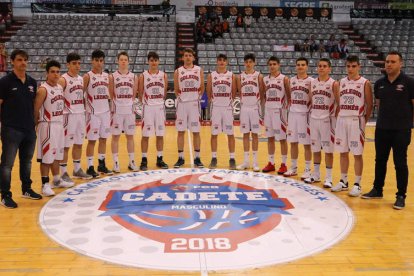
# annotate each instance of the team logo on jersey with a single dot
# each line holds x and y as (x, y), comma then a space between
(343, 85)
(294, 83)
(400, 87)
(71, 82)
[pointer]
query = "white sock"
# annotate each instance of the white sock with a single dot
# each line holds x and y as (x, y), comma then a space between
(307, 165)
(159, 153)
(272, 159)
(101, 156)
(344, 177)
(115, 157)
(254, 157)
(329, 174)
(294, 164)
(196, 153)
(181, 154)
(231, 155)
(316, 168)
(63, 168)
(284, 159)
(358, 179)
(76, 165)
(90, 160)
(56, 178)
(214, 154)
(246, 157)
(144, 155)
(131, 156)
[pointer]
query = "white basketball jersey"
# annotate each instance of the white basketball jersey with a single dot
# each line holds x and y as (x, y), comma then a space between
(275, 91)
(250, 92)
(352, 97)
(73, 93)
(154, 88)
(299, 94)
(221, 85)
(323, 100)
(52, 108)
(123, 93)
(189, 83)
(97, 93)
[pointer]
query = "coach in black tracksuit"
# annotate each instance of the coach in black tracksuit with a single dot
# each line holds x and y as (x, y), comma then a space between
(394, 94)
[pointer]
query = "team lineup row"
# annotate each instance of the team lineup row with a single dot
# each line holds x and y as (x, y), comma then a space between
(322, 114)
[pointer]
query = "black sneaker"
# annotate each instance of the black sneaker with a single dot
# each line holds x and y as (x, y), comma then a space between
(399, 203)
(372, 194)
(91, 172)
(232, 164)
(144, 164)
(29, 193)
(161, 164)
(103, 169)
(197, 163)
(8, 202)
(179, 162)
(213, 163)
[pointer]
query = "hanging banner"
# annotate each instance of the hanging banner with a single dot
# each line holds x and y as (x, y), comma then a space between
(299, 3)
(363, 4)
(338, 7)
(382, 13)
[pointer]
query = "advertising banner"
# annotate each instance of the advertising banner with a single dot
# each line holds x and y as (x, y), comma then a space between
(338, 7)
(299, 4)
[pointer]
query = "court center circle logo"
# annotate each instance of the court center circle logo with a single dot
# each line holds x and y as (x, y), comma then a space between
(192, 219)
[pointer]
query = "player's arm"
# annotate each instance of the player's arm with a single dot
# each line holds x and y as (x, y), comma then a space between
(176, 85)
(238, 85)
(62, 82)
(85, 82)
(262, 90)
(111, 87)
(141, 87)
(165, 86)
(201, 82)
(135, 88)
(336, 97)
(287, 88)
(209, 87)
(39, 100)
(368, 100)
(234, 86)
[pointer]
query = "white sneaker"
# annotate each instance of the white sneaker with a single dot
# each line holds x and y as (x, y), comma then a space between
(116, 168)
(243, 166)
(327, 183)
(47, 190)
(291, 172)
(341, 186)
(133, 167)
(312, 179)
(306, 174)
(256, 167)
(62, 184)
(356, 191)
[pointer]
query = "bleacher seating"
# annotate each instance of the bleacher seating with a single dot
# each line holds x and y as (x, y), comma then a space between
(54, 36)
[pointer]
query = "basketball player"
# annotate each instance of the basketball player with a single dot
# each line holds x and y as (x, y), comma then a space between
(354, 110)
(221, 90)
(73, 118)
(152, 90)
(98, 118)
(277, 96)
(123, 87)
(322, 121)
(298, 118)
(250, 85)
(188, 87)
(49, 104)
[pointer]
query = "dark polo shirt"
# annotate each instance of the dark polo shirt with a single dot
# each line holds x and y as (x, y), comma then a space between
(396, 108)
(18, 102)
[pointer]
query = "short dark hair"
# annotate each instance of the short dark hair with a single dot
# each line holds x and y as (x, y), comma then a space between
(72, 56)
(52, 63)
(353, 58)
(327, 60)
(303, 59)
(153, 55)
(123, 53)
(250, 56)
(222, 56)
(189, 50)
(395, 53)
(98, 54)
(273, 58)
(19, 52)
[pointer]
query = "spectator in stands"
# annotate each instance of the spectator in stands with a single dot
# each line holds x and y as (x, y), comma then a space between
(305, 46)
(225, 26)
(166, 4)
(342, 49)
(217, 29)
(239, 21)
(201, 30)
(331, 45)
(3, 58)
(321, 46)
(208, 35)
(313, 46)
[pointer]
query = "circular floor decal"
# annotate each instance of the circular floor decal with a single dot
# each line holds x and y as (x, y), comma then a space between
(192, 219)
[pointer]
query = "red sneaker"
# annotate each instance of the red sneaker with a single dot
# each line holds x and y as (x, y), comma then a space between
(282, 169)
(269, 168)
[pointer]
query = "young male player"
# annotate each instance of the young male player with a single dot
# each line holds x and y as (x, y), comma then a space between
(152, 91)
(322, 121)
(277, 96)
(98, 117)
(49, 104)
(123, 87)
(188, 87)
(298, 118)
(73, 117)
(221, 90)
(355, 107)
(250, 85)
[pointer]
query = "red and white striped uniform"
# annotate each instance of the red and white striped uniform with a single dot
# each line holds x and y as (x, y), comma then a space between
(97, 93)
(124, 93)
(221, 88)
(323, 100)
(250, 89)
(299, 91)
(189, 83)
(154, 88)
(275, 91)
(52, 108)
(74, 96)
(352, 97)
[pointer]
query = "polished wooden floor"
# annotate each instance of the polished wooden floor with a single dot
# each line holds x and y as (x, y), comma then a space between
(382, 241)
